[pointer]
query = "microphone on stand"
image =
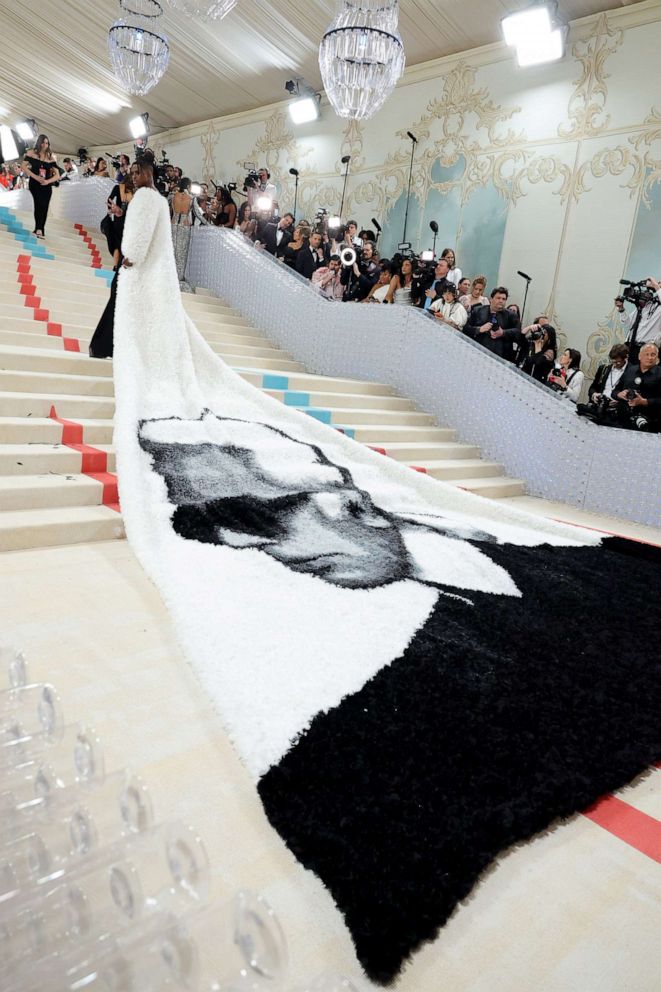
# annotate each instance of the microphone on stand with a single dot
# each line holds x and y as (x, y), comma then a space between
(528, 279)
(412, 137)
(293, 172)
(376, 224)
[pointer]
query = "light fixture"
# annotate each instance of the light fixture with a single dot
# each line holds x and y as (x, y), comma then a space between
(304, 110)
(139, 54)
(139, 126)
(8, 149)
(361, 56)
(209, 9)
(537, 33)
(195, 189)
(264, 203)
(27, 129)
(334, 223)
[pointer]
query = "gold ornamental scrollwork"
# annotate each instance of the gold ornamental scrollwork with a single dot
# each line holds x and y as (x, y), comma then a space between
(609, 332)
(587, 104)
(208, 142)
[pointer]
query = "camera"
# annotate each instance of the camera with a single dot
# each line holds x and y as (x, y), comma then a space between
(538, 333)
(251, 181)
(638, 293)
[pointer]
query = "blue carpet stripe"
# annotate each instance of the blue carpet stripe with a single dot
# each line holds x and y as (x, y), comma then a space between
(21, 234)
(275, 382)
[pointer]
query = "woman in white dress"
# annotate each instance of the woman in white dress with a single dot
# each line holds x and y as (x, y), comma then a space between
(399, 290)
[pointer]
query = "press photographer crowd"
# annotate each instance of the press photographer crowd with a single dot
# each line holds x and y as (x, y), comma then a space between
(343, 264)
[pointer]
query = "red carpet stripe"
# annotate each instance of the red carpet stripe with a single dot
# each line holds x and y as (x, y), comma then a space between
(94, 463)
(94, 251)
(638, 830)
(32, 301)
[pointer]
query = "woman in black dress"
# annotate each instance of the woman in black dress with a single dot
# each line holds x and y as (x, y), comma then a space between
(41, 166)
(101, 345)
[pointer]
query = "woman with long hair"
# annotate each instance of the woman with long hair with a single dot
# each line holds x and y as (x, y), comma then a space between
(401, 283)
(101, 169)
(226, 209)
(102, 343)
(567, 379)
(244, 223)
(299, 240)
(181, 210)
(476, 297)
(113, 227)
(41, 166)
(454, 273)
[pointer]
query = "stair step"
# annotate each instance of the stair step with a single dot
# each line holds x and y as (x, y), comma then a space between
(47, 528)
(424, 452)
(357, 416)
(461, 468)
(45, 430)
(69, 407)
(493, 488)
(54, 382)
(19, 358)
(382, 437)
(341, 401)
(38, 492)
(42, 459)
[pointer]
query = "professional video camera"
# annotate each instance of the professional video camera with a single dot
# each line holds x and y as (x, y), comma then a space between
(113, 159)
(251, 181)
(638, 293)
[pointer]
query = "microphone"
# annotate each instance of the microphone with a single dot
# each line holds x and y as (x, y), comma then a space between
(434, 226)
(293, 172)
(346, 159)
(523, 275)
(412, 137)
(376, 224)
(628, 282)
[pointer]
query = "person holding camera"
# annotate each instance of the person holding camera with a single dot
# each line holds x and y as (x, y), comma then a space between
(261, 186)
(428, 288)
(638, 393)
(600, 406)
(537, 348)
(359, 276)
(493, 326)
(448, 309)
(311, 257)
(642, 325)
(328, 280)
(566, 377)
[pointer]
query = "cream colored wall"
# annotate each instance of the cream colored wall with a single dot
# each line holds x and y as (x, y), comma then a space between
(562, 159)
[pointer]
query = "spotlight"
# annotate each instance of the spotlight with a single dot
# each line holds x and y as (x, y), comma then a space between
(195, 189)
(8, 149)
(27, 129)
(305, 109)
(334, 223)
(264, 203)
(427, 256)
(140, 126)
(537, 33)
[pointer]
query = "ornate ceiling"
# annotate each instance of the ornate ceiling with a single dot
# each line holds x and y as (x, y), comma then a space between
(55, 65)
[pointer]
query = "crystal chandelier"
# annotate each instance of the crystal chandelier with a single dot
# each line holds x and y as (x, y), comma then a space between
(139, 54)
(361, 56)
(210, 9)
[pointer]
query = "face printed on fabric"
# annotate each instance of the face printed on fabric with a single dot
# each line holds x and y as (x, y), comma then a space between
(251, 486)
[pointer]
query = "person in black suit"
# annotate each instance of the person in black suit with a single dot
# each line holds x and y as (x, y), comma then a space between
(638, 393)
(276, 235)
(495, 327)
(312, 257)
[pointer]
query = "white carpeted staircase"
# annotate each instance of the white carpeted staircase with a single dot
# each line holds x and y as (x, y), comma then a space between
(56, 479)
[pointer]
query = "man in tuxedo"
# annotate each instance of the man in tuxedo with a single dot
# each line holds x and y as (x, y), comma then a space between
(277, 235)
(312, 257)
(495, 327)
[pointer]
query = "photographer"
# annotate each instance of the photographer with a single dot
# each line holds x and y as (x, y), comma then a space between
(258, 185)
(638, 392)
(494, 326)
(449, 310)
(600, 406)
(123, 168)
(276, 235)
(225, 208)
(644, 323)
(429, 286)
(566, 378)
(70, 169)
(328, 279)
(311, 257)
(537, 348)
(359, 277)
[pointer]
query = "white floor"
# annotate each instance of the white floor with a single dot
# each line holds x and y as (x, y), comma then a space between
(577, 910)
